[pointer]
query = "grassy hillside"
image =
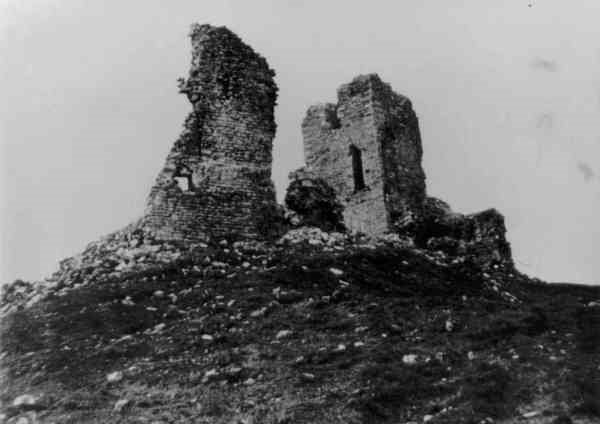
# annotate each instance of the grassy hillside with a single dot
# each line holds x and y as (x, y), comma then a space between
(304, 333)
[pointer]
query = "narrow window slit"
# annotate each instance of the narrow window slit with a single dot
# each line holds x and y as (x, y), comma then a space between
(357, 168)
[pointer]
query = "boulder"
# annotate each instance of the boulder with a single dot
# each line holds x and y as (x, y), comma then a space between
(313, 202)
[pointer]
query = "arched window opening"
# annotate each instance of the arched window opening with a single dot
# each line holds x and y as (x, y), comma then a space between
(357, 168)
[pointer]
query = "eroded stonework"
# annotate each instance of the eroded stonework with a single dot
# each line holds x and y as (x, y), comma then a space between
(368, 148)
(217, 178)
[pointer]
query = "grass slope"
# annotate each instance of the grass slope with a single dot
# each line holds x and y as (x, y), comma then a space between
(299, 335)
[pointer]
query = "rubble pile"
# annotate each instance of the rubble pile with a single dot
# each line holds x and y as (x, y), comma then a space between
(316, 237)
(132, 249)
(446, 239)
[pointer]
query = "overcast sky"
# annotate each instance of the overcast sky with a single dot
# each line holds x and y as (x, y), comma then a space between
(507, 93)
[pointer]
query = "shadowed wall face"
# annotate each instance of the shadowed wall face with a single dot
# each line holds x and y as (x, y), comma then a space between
(217, 177)
(368, 148)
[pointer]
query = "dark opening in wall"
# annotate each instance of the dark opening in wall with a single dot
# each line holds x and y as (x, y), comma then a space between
(357, 168)
(183, 183)
(332, 118)
(183, 178)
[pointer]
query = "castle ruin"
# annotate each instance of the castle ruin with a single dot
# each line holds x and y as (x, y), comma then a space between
(363, 153)
(217, 177)
(367, 147)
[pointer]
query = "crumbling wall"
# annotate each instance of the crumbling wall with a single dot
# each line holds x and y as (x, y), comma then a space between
(216, 180)
(368, 148)
(480, 236)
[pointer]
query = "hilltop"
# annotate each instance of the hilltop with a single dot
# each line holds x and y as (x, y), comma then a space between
(318, 328)
(361, 300)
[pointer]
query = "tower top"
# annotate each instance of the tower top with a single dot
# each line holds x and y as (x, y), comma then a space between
(368, 148)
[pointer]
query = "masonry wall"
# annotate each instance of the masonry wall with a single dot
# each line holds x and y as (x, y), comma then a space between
(216, 180)
(383, 126)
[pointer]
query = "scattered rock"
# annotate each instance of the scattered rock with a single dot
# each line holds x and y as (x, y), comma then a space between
(209, 375)
(531, 414)
(127, 301)
(120, 405)
(24, 401)
(409, 359)
(306, 376)
(259, 312)
(114, 377)
(282, 334)
(158, 328)
(340, 348)
(335, 271)
(316, 237)
(132, 249)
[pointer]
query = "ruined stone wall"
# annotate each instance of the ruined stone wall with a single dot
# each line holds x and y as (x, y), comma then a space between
(480, 237)
(383, 127)
(217, 177)
(401, 152)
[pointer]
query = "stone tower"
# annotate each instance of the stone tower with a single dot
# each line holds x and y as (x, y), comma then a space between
(368, 148)
(217, 177)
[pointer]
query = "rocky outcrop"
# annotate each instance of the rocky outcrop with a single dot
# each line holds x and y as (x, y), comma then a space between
(313, 202)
